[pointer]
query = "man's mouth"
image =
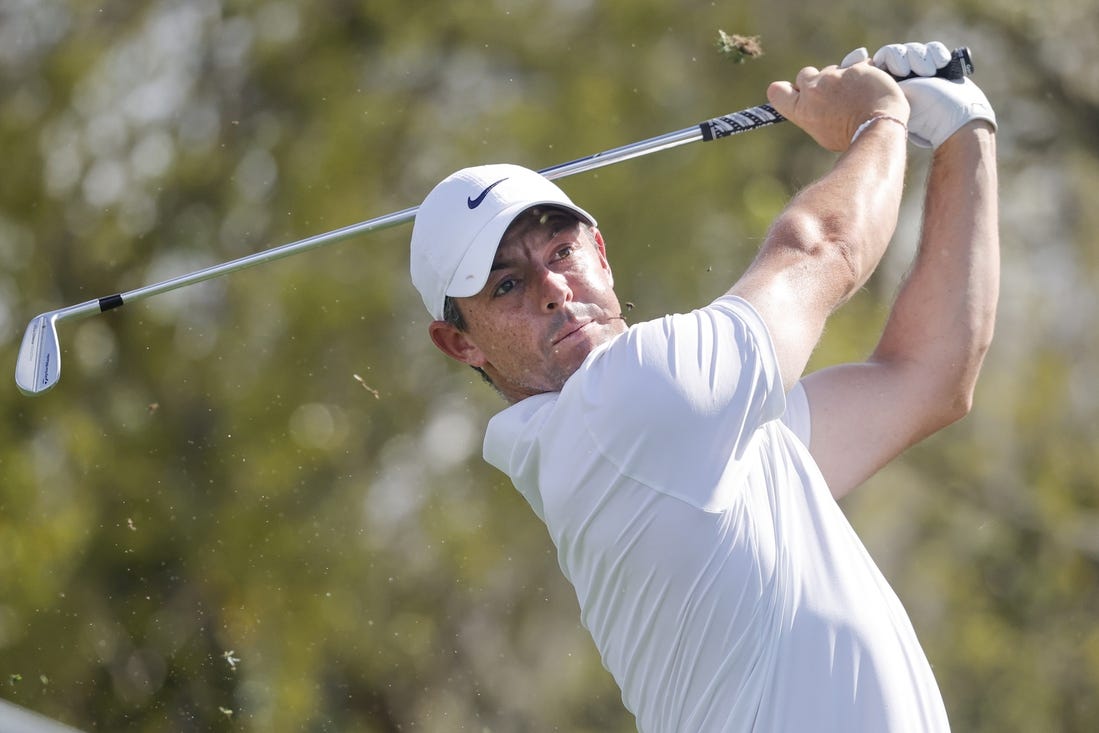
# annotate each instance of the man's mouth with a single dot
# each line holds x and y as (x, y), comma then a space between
(569, 330)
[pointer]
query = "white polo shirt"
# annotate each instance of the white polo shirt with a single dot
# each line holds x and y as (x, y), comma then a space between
(724, 588)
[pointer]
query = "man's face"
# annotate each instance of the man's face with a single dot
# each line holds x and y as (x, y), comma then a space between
(548, 302)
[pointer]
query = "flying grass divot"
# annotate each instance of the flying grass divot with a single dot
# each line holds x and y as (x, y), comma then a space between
(738, 48)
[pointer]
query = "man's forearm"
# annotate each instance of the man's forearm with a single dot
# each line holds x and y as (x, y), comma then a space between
(855, 205)
(825, 244)
(944, 316)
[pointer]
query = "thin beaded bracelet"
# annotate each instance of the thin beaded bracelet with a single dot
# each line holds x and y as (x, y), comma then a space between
(874, 119)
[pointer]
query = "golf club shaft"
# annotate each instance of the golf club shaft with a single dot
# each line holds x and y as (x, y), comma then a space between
(695, 133)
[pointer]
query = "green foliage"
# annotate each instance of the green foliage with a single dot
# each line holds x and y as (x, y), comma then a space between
(258, 504)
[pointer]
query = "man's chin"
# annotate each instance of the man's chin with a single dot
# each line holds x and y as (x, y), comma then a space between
(570, 353)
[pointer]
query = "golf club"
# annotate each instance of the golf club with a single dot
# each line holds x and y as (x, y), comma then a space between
(38, 365)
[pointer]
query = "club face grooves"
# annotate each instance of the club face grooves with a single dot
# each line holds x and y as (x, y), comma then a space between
(38, 366)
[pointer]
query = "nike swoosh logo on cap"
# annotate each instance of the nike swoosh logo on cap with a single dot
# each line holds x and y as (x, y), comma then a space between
(474, 203)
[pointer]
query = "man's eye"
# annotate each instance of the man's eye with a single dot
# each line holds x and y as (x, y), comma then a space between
(503, 288)
(564, 252)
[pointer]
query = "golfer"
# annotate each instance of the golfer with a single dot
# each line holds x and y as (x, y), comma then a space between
(687, 471)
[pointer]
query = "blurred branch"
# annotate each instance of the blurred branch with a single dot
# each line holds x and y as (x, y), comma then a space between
(1054, 83)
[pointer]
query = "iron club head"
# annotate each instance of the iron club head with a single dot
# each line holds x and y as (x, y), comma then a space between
(38, 366)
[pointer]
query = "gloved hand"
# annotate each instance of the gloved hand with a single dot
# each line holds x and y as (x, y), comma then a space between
(939, 106)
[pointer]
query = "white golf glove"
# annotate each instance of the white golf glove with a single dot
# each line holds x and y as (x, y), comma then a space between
(939, 106)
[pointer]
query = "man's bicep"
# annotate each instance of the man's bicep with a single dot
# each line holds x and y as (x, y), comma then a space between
(863, 416)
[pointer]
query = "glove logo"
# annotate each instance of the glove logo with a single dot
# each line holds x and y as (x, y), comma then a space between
(474, 203)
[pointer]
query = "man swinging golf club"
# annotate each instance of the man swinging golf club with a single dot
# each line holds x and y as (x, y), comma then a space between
(686, 469)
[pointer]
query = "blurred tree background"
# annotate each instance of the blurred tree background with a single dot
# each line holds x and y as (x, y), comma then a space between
(258, 504)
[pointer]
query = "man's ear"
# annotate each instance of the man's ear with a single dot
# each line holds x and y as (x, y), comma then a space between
(455, 343)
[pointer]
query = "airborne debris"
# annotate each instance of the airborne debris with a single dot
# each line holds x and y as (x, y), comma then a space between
(367, 387)
(738, 48)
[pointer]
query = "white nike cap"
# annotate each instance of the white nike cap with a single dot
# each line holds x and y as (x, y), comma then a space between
(459, 225)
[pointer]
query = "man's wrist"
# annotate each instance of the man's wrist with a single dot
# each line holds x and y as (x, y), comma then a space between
(879, 117)
(978, 133)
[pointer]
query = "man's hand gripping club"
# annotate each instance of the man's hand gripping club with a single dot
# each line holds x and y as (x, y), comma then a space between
(833, 103)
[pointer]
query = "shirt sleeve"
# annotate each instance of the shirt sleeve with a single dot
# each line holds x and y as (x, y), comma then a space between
(689, 391)
(797, 416)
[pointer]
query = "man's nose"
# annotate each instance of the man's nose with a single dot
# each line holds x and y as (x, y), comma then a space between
(554, 290)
